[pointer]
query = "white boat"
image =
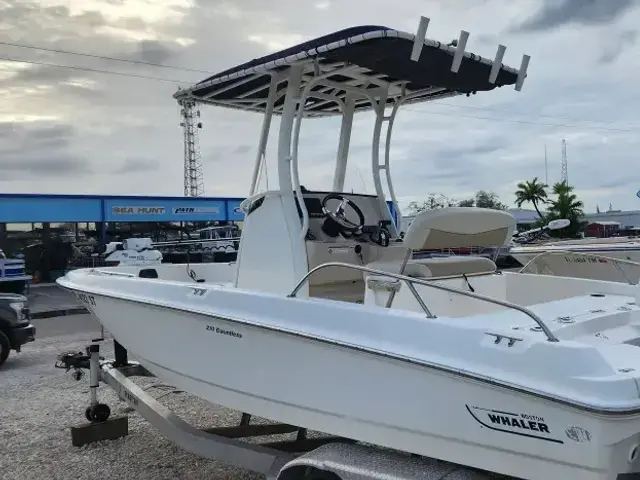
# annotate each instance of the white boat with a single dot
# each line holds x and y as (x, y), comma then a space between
(615, 259)
(13, 276)
(131, 252)
(222, 238)
(338, 330)
(219, 242)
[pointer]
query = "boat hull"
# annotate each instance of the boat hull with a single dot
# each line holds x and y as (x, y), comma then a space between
(595, 264)
(368, 397)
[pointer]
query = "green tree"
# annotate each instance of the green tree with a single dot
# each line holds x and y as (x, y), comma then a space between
(469, 202)
(532, 191)
(484, 199)
(481, 199)
(566, 205)
(433, 201)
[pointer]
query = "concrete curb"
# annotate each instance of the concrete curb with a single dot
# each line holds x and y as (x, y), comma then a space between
(60, 312)
(43, 285)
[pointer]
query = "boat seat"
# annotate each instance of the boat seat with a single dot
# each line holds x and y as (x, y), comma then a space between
(438, 267)
(453, 227)
(456, 265)
(414, 270)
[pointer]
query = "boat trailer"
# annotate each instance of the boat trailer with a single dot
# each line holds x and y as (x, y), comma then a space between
(303, 458)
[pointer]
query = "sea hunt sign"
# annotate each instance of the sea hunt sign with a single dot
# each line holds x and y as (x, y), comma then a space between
(138, 210)
(523, 424)
(194, 210)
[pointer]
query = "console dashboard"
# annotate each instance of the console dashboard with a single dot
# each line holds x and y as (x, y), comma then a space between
(368, 204)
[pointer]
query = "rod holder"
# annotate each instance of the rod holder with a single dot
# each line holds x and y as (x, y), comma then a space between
(497, 64)
(522, 72)
(418, 41)
(457, 58)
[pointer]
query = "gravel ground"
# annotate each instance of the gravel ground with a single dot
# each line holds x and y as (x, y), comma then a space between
(38, 404)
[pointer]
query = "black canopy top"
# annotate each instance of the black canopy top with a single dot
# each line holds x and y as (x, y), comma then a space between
(377, 53)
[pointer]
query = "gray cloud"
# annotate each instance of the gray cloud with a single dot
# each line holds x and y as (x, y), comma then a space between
(243, 149)
(116, 128)
(38, 150)
(31, 14)
(154, 51)
(555, 13)
(26, 135)
(41, 74)
(51, 165)
(135, 165)
(614, 49)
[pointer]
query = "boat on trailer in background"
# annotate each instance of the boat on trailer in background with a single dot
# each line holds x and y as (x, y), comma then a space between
(610, 259)
(526, 375)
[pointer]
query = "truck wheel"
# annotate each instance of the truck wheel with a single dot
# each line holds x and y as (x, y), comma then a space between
(5, 346)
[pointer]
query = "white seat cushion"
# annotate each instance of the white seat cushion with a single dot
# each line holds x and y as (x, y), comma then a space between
(416, 270)
(456, 265)
(437, 267)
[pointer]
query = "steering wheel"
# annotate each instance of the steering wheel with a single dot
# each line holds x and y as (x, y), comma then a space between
(339, 217)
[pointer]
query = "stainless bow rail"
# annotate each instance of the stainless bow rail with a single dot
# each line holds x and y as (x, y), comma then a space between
(411, 285)
(616, 261)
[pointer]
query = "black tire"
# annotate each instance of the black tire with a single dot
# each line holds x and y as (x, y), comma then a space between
(5, 347)
(306, 473)
(98, 413)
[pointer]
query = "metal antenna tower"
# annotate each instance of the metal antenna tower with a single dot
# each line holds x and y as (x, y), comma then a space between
(564, 176)
(546, 166)
(191, 124)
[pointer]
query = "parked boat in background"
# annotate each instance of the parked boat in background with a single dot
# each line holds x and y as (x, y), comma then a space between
(13, 276)
(615, 259)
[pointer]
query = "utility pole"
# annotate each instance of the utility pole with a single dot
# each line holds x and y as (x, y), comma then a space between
(546, 166)
(564, 175)
(193, 176)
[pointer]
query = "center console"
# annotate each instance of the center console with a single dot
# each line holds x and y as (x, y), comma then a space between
(329, 241)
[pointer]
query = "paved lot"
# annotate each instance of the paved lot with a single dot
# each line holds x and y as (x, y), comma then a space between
(50, 297)
(85, 325)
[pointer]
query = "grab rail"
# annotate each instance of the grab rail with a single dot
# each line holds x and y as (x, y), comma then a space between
(410, 283)
(616, 261)
(112, 274)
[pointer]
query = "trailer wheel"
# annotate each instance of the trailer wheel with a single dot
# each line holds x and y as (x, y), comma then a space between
(97, 413)
(300, 472)
(5, 347)
(317, 474)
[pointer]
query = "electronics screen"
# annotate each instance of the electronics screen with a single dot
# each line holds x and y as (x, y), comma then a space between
(314, 206)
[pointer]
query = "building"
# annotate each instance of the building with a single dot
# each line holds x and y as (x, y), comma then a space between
(627, 219)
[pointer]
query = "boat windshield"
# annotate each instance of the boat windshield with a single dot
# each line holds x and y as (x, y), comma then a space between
(215, 233)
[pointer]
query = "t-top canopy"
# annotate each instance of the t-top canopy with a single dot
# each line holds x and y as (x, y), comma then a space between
(366, 57)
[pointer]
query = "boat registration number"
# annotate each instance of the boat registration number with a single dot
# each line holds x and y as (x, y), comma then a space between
(585, 260)
(86, 298)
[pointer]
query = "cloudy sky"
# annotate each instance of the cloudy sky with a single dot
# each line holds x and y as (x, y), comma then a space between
(66, 130)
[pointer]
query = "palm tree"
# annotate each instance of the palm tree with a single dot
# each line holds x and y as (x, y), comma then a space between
(562, 188)
(531, 191)
(566, 205)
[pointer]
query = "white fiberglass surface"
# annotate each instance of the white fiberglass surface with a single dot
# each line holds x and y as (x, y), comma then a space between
(520, 289)
(461, 343)
(216, 273)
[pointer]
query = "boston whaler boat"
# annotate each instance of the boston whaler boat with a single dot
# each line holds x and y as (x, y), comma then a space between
(615, 259)
(339, 330)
